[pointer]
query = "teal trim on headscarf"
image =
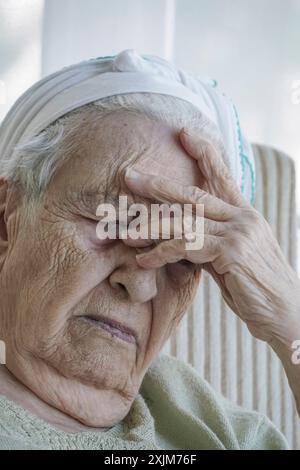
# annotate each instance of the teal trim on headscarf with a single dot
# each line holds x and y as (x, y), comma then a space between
(244, 159)
(104, 57)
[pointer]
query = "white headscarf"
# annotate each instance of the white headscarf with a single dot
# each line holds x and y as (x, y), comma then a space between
(128, 72)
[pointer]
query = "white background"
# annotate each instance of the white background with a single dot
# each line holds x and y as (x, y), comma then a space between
(252, 48)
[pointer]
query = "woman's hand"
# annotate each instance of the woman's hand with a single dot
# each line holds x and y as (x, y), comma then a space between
(239, 250)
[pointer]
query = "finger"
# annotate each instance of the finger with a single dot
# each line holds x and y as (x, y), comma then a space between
(167, 191)
(140, 242)
(150, 233)
(172, 251)
(212, 167)
(220, 281)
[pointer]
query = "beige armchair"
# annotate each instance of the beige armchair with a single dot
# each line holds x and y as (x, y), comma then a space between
(216, 342)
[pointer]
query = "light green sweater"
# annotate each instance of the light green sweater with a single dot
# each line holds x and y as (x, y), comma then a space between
(175, 409)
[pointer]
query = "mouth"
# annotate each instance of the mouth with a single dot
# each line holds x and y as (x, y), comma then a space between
(113, 327)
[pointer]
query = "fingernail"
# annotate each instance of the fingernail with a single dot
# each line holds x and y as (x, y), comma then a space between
(142, 259)
(189, 132)
(132, 174)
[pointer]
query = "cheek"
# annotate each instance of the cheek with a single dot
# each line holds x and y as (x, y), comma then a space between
(57, 272)
(183, 280)
(177, 287)
(181, 273)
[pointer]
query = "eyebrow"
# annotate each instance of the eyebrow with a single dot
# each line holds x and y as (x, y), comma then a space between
(91, 198)
(92, 195)
(101, 196)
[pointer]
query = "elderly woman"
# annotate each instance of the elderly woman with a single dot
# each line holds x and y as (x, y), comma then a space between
(84, 319)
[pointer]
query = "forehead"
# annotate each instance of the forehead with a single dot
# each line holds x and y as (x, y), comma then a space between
(121, 140)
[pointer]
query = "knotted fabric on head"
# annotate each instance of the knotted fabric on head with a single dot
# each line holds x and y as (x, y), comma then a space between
(127, 72)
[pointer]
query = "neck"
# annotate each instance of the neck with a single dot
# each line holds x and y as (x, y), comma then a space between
(15, 391)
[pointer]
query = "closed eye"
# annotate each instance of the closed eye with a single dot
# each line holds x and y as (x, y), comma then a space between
(181, 272)
(187, 263)
(96, 235)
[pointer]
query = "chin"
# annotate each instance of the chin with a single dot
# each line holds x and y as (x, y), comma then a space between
(94, 357)
(104, 409)
(95, 392)
(104, 368)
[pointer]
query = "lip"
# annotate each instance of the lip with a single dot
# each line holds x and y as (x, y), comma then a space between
(112, 326)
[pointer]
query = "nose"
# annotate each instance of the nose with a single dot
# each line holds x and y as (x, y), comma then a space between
(139, 284)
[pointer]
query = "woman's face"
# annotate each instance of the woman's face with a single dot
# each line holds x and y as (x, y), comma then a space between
(58, 279)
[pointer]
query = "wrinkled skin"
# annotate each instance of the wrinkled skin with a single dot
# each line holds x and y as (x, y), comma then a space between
(239, 248)
(54, 270)
(239, 251)
(62, 271)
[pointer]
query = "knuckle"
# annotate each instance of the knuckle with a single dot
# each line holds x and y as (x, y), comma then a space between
(252, 216)
(195, 194)
(236, 246)
(207, 146)
(157, 183)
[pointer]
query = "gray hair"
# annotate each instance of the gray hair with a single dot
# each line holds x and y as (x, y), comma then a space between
(35, 162)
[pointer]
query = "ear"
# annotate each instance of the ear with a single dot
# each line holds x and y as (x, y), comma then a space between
(8, 203)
